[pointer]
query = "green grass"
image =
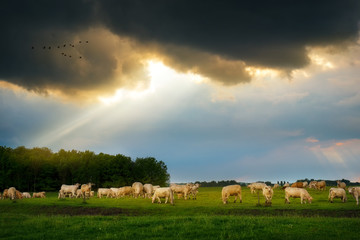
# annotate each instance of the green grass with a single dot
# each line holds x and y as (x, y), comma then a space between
(204, 218)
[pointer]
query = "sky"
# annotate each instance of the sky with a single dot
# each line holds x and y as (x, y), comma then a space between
(218, 90)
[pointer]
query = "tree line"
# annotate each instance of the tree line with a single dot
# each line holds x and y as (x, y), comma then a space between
(39, 169)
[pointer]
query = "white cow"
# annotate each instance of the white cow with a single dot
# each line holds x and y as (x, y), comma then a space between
(70, 189)
(115, 192)
(231, 190)
(79, 193)
(125, 191)
(341, 184)
(86, 190)
(337, 193)
(39, 195)
(268, 193)
(138, 189)
(12, 193)
(305, 184)
(61, 194)
(194, 190)
(26, 195)
(148, 190)
(103, 192)
(155, 187)
(355, 192)
(256, 186)
(181, 189)
(297, 193)
(166, 193)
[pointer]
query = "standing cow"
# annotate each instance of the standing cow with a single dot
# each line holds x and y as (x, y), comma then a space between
(231, 190)
(11, 193)
(148, 190)
(163, 193)
(355, 192)
(337, 193)
(297, 193)
(138, 189)
(341, 184)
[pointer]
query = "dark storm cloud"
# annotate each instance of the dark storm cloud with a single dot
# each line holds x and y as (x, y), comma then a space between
(216, 35)
(267, 33)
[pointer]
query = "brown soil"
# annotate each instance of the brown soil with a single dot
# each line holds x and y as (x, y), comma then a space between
(293, 212)
(79, 211)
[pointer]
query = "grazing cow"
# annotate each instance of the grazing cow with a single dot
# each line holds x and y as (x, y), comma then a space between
(11, 193)
(79, 193)
(312, 184)
(321, 185)
(305, 184)
(70, 189)
(256, 186)
(231, 190)
(18, 194)
(26, 195)
(341, 184)
(86, 189)
(194, 190)
(5, 194)
(61, 194)
(39, 195)
(138, 189)
(297, 185)
(125, 191)
(297, 193)
(103, 192)
(181, 189)
(268, 193)
(148, 190)
(166, 193)
(286, 185)
(115, 192)
(337, 193)
(355, 192)
(276, 186)
(155, 187)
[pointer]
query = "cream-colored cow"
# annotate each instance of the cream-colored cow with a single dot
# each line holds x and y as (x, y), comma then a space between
(297, 193)
(337, 193)
(231, 190)
(355, 192)
(166, 193)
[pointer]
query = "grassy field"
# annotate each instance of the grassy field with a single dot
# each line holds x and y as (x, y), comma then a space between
(204, 218)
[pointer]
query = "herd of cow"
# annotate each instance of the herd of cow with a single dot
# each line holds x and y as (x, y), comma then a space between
(296, 190)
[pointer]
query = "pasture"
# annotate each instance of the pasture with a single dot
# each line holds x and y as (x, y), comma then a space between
(204, 218)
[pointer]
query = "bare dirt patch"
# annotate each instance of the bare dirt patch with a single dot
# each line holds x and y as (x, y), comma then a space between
(292, 212)
(91, 211)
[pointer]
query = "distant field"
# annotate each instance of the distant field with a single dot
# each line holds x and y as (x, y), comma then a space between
(204, 218)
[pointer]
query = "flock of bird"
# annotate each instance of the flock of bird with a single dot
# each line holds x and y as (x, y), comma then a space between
(58, 47)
